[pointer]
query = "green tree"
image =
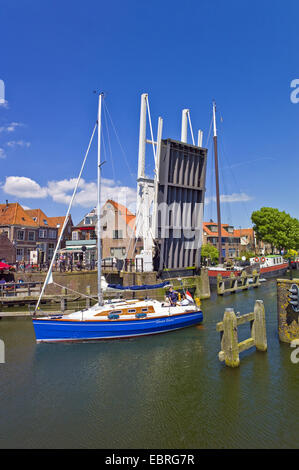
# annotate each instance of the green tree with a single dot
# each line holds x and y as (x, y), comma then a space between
(210, 252)
(276, 227)
(291, 254)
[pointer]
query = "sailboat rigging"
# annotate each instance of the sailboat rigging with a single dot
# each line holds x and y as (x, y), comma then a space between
(217, 182)
(115, 318)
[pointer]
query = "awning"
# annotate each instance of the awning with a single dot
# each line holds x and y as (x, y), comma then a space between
(4, 266)
(77, 249)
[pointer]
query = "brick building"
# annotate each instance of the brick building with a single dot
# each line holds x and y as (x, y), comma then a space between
(20, 228)
(7, 249)
(31, 230)
(231, 244)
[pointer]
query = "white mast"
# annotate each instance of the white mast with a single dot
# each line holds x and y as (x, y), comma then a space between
(200, 136)
(100, 294)
(142, 136)
(185, 113)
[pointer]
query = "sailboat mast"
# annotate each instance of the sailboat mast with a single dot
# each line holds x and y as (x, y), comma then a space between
(100, 294)
(217, 183)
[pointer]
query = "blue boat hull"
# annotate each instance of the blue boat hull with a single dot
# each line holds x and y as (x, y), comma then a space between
(51, 330)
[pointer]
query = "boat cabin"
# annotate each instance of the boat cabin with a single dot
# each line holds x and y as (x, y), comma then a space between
(267, 261)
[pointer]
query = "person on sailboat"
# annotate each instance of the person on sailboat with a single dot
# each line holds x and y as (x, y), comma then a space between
(172, 297)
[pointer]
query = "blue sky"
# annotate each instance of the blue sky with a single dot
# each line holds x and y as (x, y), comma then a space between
(184, 54)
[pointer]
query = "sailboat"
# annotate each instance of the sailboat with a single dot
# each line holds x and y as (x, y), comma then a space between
(117, 318)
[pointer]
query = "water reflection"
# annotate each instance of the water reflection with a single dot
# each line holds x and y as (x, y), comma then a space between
(164, 391)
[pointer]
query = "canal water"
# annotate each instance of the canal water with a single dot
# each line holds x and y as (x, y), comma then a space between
(163, 391)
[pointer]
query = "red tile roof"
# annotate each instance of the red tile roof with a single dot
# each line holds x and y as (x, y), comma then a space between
(14, 214)
(55, 221)
(224, 232)
(244, 231)
(41, 218)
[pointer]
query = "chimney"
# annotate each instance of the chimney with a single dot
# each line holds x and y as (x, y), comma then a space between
(6, 202)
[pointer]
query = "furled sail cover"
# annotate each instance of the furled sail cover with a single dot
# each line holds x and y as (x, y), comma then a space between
(143, 287)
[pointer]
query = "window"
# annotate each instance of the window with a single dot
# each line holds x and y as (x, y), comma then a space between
(112, 251)
(52, 233)
(42, 233)
(20, 235)
(75, 236)
(117, 234)
(45, 222)
(20, 254)
(31, 236)
(132, 310)
(50, 250)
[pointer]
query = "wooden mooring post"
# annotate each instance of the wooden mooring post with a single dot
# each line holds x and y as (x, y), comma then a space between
(228, 328)
(88, 299)
(236, 283)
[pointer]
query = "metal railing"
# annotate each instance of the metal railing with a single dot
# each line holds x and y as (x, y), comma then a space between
(9, 289)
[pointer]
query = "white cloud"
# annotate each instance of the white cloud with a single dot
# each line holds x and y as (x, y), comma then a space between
(18, 143)
(234, 197)
(2, 153)
(23, 187)
(61, 191)
(11, 127)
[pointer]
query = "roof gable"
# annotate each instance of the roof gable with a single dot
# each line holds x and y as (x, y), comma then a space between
(14, 214)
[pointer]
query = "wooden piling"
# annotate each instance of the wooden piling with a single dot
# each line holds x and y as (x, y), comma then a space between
(228, 328)
(63, 304)
(259, 326)
(229, 341)
(236, 283)
(88, 299)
